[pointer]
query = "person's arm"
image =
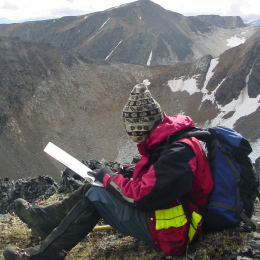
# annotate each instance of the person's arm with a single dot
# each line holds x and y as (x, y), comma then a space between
(169, 178)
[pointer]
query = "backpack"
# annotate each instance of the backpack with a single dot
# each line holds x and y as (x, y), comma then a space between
(235, 181)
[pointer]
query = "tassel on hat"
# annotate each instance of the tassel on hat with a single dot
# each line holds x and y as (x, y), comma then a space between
(141, 112)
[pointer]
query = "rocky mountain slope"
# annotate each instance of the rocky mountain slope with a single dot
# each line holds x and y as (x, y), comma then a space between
(229, 95)
(140, 33)
(254, 36)
(48, 95)
(51, 95)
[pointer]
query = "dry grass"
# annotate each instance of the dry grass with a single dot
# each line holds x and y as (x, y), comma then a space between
(111, 244)
(97, 245)
(108, 244)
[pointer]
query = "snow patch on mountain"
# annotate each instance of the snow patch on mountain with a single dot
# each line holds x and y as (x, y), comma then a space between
(113, 50)
(242, 106)
(256, 150)
(189, 85)
(213, 64)
(150, 58)
(235, 40)
(104, 24)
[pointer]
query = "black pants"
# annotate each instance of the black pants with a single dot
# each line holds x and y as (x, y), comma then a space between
(80, 220)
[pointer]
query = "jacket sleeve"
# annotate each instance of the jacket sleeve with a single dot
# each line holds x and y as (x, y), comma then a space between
(169, 178)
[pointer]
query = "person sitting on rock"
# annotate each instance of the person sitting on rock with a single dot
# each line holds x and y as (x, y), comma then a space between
(154, 205)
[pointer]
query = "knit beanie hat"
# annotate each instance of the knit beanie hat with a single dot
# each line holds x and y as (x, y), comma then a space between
(141, 112)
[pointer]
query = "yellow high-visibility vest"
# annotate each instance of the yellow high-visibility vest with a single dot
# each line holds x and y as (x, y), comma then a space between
(175, 217)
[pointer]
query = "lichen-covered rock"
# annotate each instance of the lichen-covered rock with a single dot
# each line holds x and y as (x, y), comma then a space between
(31, 189)
(36, 189)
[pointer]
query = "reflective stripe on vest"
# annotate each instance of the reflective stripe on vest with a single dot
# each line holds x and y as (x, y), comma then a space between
(196, 221)
(175, 217)
(172, 217)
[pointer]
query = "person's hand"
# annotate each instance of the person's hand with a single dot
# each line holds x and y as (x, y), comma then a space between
(92, 174)
(101, 173)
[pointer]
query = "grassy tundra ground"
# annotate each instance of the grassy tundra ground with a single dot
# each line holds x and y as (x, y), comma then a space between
(110, 244)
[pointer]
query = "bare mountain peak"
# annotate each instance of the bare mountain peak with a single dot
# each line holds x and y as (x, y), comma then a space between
(141, 32)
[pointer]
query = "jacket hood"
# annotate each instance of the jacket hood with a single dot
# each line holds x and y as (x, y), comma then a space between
(169, 125)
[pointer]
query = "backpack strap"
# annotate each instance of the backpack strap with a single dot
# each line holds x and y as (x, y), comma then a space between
(250, 222)
(202, 135)
(187, 210)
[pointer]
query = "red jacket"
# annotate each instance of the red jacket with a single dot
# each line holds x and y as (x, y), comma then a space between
(182, 168)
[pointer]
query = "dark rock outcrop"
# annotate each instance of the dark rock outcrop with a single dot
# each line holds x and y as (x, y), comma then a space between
(42, 187)
(33, 190)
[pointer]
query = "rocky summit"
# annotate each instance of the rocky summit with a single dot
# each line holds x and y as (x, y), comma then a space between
(67, 80)
(233, 244)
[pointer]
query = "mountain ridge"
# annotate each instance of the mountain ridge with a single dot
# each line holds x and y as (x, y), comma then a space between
(222, 21)
(140, 32)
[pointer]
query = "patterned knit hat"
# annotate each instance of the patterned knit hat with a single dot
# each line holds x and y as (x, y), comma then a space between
(141, 112)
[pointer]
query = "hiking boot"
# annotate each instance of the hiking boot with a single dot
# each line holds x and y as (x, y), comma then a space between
(28, 215)
(75, 226)
(42, 220)
(15, 253)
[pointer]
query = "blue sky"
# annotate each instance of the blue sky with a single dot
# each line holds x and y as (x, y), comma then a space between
(24, 10)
